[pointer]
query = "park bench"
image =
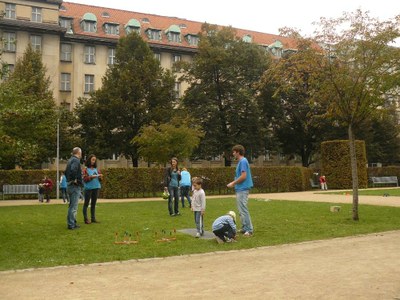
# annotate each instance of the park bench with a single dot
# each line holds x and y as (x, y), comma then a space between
(314, 184)
(20, 189)
(384, 180)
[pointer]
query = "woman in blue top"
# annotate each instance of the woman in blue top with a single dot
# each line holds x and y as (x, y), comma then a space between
(63, 187)
(172, 178)
(91, 181)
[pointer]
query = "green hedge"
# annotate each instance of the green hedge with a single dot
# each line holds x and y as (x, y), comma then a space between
(149, 182)
(336, 164)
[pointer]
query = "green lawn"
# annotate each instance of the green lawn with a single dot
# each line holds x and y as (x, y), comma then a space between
(36, 236)
(371, 192)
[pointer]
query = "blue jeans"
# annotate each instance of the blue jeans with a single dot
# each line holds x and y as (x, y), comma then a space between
(173, 198)
(73, 193)
(242, 198)
(198, 219)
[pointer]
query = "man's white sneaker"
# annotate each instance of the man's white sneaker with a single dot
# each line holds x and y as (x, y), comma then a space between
(248, 234)
(197, 235)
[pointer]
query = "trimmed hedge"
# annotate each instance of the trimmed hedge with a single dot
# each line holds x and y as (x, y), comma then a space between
(149, 182)
(336, 164)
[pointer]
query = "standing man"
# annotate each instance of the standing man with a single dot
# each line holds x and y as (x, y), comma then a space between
(242, 183)
(73, 173)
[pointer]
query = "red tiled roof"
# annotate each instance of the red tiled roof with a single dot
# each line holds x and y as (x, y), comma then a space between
(122, 17)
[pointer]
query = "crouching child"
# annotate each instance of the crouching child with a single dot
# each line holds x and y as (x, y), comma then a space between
(224, 228)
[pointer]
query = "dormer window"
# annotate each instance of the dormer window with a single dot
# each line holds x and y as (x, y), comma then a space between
(173, 34)
(145, 20)
(276, 48)
(66, 23)
(105, 14)
(247, 38)
(89, 22)
(111, 28)
(192, 39)
(153, 34)
(132, 26)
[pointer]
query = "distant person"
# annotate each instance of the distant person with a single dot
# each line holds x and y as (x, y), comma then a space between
(91, 181)
(199, 206)
(172, 178)
(224, 228)
(243, 183)
(47, 187)
(63, 188)
(185, 186)
(73, 173)
(322, 182)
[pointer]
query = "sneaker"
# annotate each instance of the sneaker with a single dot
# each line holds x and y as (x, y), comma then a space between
(219, 241)
(230, 240)
(242, 231)
(87, 221)
(248, 234)
(178, 214)
(197, 235)
(172, 215)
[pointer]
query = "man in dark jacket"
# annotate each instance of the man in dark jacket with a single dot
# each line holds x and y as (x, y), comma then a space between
(73, 173)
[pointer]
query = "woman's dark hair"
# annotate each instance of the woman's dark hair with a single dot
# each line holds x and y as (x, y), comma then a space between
(174, 158)
(88, 163)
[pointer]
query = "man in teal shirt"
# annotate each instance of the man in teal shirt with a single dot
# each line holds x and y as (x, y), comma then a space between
(243, 183)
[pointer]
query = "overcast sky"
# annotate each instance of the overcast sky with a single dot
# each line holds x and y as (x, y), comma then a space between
(258, 15)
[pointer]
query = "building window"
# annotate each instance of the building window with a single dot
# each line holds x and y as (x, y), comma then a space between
(66, 52)
(10, 11)
(36, 14)
(130, 29)
(90, 52)
(89, 26)
(175, 59)
(36, 42)
(9, 41)
(89, 83)
(174, 37)
(66, 23)
(177, 90)
(111, 28)
(154, 34)
(65, 82)
(192, 39)
(7, 71)
(157, 56)
(111, 56)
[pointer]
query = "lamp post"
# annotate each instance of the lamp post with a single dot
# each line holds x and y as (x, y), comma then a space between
(58, 158)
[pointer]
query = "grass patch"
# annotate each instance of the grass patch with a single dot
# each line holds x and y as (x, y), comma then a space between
(36, 236)
(369, 192)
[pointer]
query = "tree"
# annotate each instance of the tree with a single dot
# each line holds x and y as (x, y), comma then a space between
(221, 95)
(360, 69)
(158, 143)
(135, 91)
(27, 109)
(287, 89)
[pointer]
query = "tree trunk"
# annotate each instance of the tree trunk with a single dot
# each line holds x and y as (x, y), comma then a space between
(354, 172)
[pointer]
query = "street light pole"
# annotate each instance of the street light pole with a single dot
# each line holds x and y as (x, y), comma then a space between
(58, 157)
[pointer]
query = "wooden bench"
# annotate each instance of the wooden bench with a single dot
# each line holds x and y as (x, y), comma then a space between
(20, 189)
(384, 180)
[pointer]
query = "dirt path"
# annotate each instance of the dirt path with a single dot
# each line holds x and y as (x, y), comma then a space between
(361, 267)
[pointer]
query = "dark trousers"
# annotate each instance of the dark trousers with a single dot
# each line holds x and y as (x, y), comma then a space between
(185, 193)
(173, 197)
(90, 196)
(225, 232)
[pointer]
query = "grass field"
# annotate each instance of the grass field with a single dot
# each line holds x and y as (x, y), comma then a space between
(371, 192)
(36, 236)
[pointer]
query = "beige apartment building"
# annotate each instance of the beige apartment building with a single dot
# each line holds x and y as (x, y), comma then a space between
(78, 42)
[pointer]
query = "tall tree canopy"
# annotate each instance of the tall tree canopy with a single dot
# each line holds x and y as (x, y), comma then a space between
(135, 91)
(221, 95)
(361, 69)
(27, 115)
(288, 86)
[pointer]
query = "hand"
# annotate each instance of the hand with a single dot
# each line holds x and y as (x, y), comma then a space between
(231, 184)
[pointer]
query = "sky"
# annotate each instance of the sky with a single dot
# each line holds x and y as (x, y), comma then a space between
(257, 15)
